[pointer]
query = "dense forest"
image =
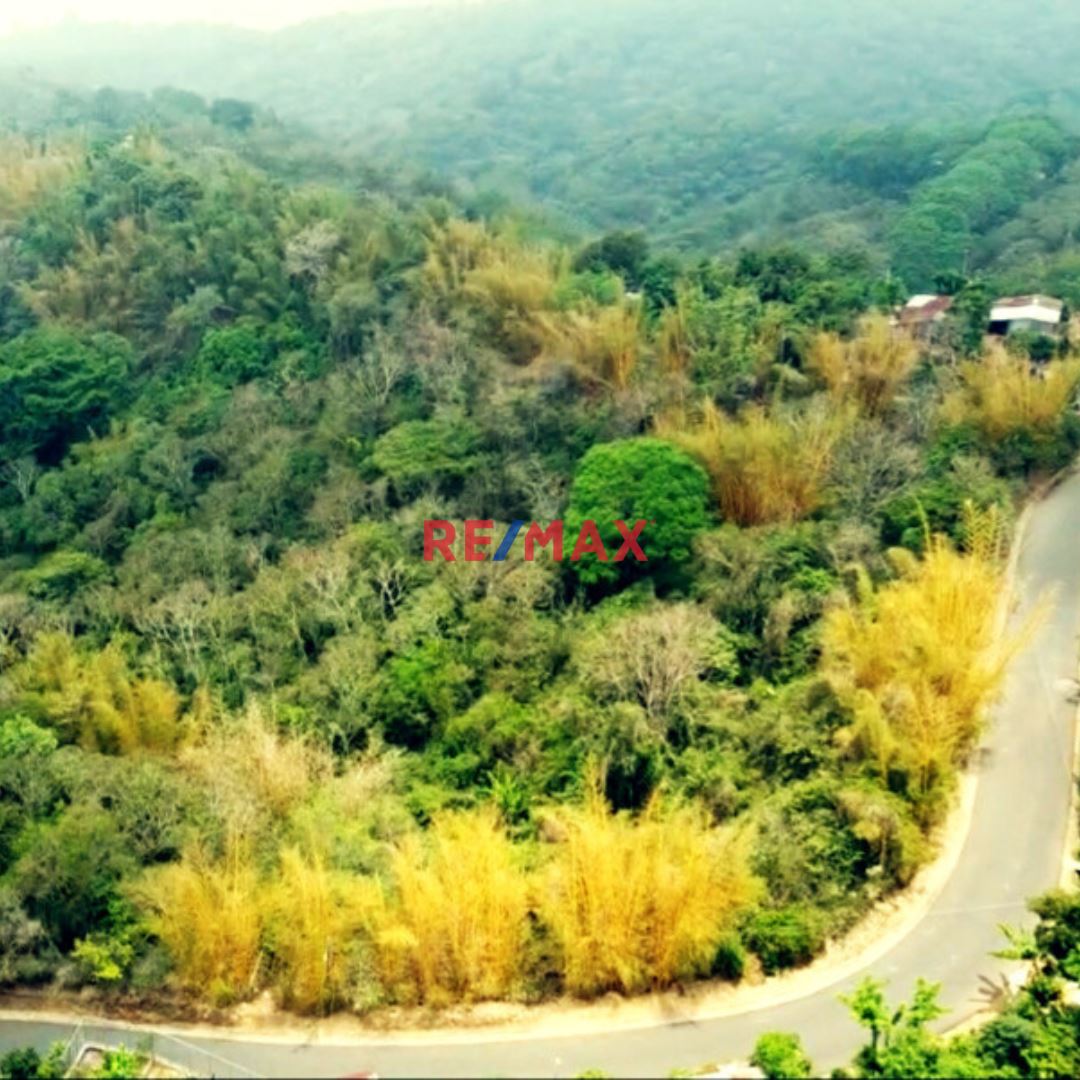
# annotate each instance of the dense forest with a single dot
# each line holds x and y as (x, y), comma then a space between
(708, 122)
(251, 740)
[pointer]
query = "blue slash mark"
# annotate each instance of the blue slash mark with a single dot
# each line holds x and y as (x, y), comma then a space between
(507, 541)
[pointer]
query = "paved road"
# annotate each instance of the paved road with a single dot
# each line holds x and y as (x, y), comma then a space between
(1013, 851)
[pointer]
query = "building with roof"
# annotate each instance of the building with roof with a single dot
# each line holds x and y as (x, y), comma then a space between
(1033, 314)
(924, 314)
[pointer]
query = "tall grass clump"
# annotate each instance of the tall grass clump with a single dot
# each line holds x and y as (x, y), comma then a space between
(1000, 394)
(453, 924)
(314, 915)
(637, 904)
(30, 168)
(209, 914)
(92, 698)
(918, 659)
(249, 766)
(764, 469)
(870, 368)
(602, 342)
(453, 250)
(502, 283)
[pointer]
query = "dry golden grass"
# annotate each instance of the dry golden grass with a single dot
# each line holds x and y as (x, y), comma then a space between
(516, 281)
(314, 915)
(636, 904)
(209, 915)
(453, 250)
(918, 660)
(673, 340)
(94, 699)
(999, 394)
(454, 924)
(603, 342)
(869, 369)
(250, 762)
(502, 281)
(509, 289)
(764, 469)
(30, 169)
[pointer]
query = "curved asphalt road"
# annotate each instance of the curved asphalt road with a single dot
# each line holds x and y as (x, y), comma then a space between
(1013, 851)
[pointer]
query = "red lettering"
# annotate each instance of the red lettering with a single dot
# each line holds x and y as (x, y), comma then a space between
(433, 543)
(474, 540)
(551, 535)
(589, 543)
(630, 543)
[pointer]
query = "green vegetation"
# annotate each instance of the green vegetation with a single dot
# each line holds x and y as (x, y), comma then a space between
(1036, 1032)
(251, 740)
(27, 1064)
(708, 123)
(780, 1056)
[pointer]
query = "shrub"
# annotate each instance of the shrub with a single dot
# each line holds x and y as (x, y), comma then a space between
(24, 945)
(868, 370)
(729, 960)
(780, 1056)
(104, 958)
(21, 1064)
(70, 872)
(783, 938)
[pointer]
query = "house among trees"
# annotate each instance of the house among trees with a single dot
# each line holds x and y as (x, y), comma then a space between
(1026, 314)
(923, 315)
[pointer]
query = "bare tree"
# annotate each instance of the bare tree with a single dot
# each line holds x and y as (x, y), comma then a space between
(22, 474)
(651, 657)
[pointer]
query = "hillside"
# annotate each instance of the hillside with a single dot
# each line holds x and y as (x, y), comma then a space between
(707, 123)
(251, 738)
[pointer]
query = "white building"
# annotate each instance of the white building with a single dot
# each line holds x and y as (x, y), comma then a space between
(1039, 314)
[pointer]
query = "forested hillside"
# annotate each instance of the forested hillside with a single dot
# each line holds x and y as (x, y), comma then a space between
(250, 739)
(708, 122)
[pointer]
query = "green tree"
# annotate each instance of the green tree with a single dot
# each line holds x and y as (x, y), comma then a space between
(69, 875)
(635, 480)
(234, 354)
(626, 253)
(232, 113)
(56, 387)
(900, 1043)
(421, 451)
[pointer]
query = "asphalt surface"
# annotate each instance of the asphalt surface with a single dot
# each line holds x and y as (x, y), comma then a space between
(1013, 851)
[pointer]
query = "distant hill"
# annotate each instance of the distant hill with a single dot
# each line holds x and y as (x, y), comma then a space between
(707, 122)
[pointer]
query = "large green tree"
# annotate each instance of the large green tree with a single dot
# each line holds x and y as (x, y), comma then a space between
(634, 480)
(57, 387)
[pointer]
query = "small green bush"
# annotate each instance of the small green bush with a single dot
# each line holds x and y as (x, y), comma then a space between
(783, 938)
(729, 961)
